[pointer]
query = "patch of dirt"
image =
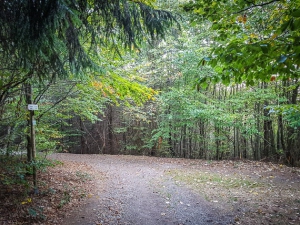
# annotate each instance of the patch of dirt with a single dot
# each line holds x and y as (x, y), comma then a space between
(106, 189)
(138, 191)
(257, 192)
(60, 190)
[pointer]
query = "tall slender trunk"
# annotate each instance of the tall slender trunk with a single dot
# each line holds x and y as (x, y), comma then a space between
(190, 141)
(201, 153)
(257, 145)
(31, 148)
(280, 142)
(110, 129)
(269, 144)
(28, 99)
(170, 143)
(7, 145)
(184, 141)
(217, 142)
(83, 142)
(292, 142)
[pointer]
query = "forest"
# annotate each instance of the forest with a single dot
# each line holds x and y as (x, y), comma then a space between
(151, 111)
(197, 79)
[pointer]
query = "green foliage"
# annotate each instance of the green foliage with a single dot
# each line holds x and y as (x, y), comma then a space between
(291, 113)
(53, 41)
(13, 171)
(118, 88)
(65, 199)
(83, 176)
(47, 138)
(253, 40)
(53, 32)
(37, 213)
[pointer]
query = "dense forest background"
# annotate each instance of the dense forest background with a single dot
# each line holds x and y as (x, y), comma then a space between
(222, 85)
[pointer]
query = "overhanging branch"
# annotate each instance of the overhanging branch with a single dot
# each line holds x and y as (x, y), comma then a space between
(256, 5)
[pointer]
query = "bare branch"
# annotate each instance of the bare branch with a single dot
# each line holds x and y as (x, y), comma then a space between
(256, 5)
(59, 101)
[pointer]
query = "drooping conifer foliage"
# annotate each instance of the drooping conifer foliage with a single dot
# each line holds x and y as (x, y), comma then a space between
(52, 33)
(46, 39)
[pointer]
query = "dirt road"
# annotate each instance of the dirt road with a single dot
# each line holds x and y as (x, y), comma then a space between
(137, 190)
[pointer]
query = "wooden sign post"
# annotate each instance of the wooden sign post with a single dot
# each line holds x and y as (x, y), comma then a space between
(32, 108)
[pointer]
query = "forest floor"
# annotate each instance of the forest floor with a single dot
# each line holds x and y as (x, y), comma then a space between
(111, 189)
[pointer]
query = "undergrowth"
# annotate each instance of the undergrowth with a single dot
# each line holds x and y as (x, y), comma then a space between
(15, 170)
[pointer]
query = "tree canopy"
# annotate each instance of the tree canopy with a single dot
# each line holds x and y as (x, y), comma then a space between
(253, 39)
(54, 38)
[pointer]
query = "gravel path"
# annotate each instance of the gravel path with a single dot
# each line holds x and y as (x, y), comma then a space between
(138, 191)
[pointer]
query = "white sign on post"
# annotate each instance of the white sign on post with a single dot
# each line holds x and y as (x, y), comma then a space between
(33, 107)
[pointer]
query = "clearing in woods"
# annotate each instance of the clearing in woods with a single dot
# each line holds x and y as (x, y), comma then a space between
(113, 189)
(148, 190)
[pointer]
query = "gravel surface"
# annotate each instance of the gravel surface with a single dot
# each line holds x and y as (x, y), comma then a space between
(137, 190)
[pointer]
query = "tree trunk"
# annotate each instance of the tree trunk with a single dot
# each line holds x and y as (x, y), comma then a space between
(110, 129)
(292, 142)
(31, 149)
(7, 145)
